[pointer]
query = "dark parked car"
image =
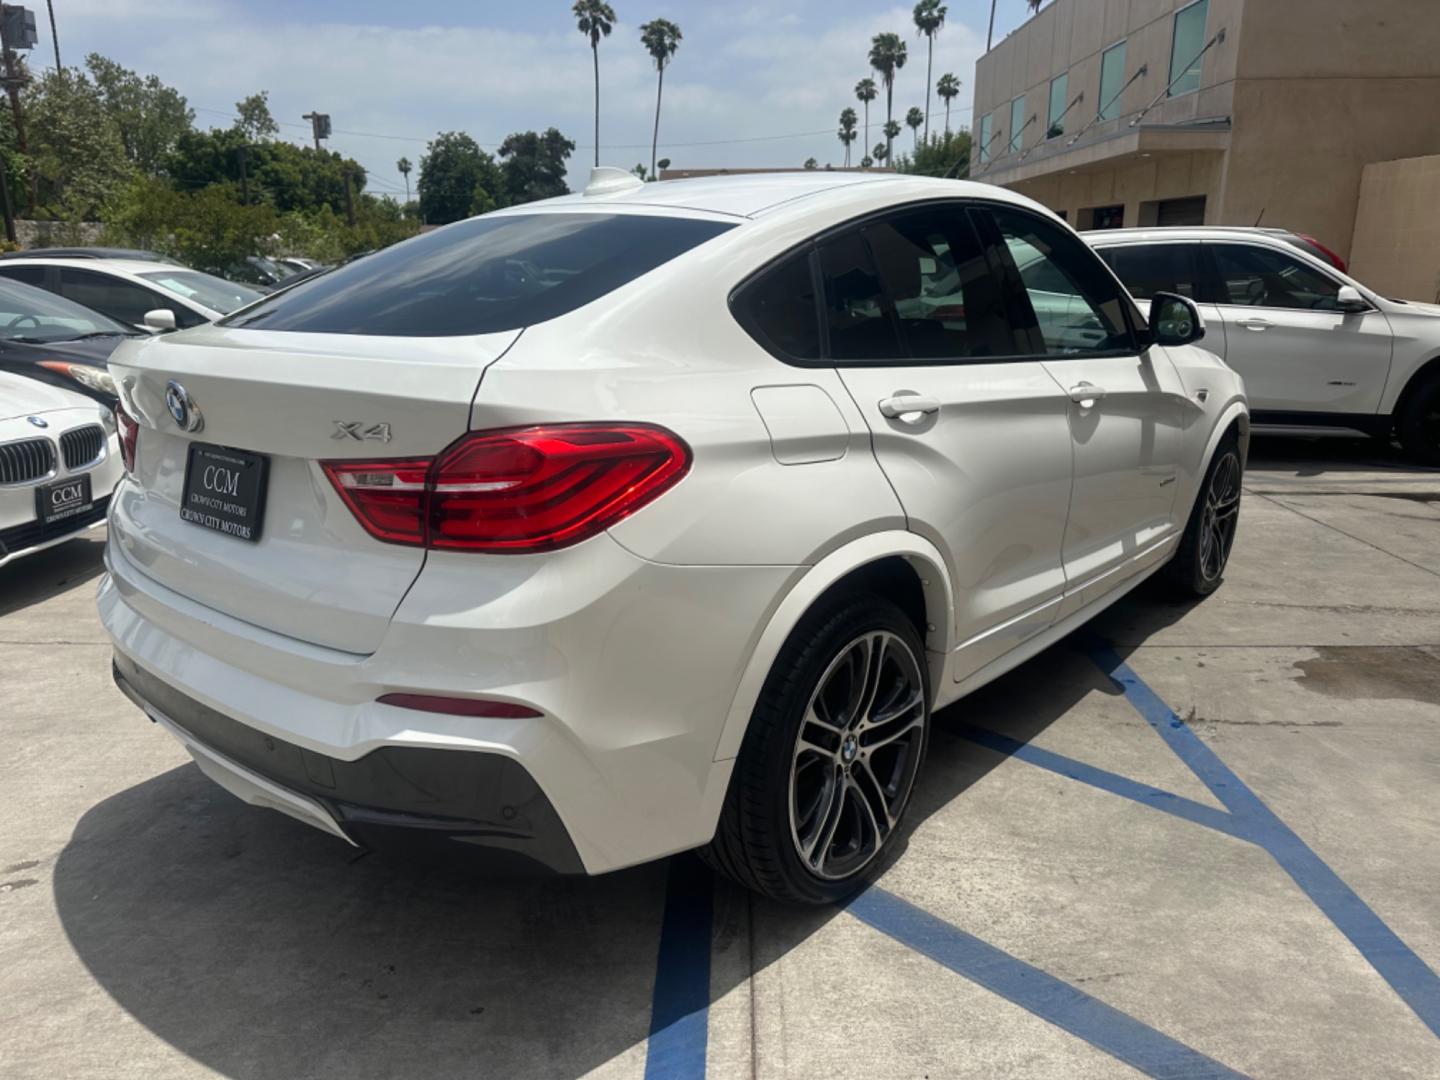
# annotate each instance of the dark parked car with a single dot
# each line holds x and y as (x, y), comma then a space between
(56, 340)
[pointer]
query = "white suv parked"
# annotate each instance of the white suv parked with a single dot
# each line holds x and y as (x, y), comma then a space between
(653, 518)
(1318, 350)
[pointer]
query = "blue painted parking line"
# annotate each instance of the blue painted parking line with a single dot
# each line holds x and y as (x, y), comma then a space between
(1397, 963)
(1066, 1006)
(1114, 783)
(680, 1001)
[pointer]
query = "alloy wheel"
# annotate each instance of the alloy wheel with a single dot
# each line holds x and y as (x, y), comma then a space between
(856, 754)
(1221, 513)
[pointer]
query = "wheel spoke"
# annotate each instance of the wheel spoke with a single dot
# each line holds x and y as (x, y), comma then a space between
(828, 821)
(875, 649)
(878, 738)
(876, 831)
(864, 777)
(906, 699)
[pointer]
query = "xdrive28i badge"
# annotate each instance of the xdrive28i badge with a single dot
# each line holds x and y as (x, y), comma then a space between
(183, 409)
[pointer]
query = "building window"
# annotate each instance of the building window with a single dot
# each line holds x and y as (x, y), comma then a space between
(1185, 50)
(1103, 217)
(986, 123)
(1059, 90)
(1017, 123)
(1112, 78)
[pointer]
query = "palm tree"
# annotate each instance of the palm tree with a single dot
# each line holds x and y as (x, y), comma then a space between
(887, 56)
(892, 132)
(403, 165)
(661, 38)
(914, 118)
(595, 19)
(848, 120)
(947, 89)
(879, 153)
(929, 17)
(865, 93)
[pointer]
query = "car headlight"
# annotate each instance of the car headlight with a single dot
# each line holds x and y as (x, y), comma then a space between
(93, 378)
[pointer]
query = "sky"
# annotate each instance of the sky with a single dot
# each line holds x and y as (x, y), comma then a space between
(753, 83)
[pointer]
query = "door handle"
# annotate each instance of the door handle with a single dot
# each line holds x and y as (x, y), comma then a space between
(908, 408)
(1255, 324)
(1086, 394)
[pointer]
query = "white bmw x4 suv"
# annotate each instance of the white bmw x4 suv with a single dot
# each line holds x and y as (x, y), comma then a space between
(652, 518)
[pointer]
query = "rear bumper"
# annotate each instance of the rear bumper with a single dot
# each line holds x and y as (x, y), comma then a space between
(631, 664)
(391, 797)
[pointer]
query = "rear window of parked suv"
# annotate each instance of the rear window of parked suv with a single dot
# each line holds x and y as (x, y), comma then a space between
(481, 276)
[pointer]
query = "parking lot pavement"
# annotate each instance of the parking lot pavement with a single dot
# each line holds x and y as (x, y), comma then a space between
(1196, 840)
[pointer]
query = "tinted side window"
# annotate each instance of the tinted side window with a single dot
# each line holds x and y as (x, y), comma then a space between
(112, 296)
(945, 295)
(498, 272)
(857, 313)
(1150, 268)
(30, 275)
(1077, 306)
(779, 309)
(1260, 277)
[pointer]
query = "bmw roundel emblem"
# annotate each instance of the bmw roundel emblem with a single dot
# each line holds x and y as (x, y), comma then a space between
(38, 421)
(182, 408)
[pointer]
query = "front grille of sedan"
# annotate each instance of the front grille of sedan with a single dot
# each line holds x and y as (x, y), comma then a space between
(26, 460)
(82, 446)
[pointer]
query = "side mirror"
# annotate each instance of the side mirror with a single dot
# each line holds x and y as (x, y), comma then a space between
(1350, 300)
(160, 320)
(1175, 320)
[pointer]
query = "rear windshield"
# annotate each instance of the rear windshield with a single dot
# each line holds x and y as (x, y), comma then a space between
(499, 272)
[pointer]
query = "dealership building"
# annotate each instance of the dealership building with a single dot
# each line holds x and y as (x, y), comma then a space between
(1219, 112)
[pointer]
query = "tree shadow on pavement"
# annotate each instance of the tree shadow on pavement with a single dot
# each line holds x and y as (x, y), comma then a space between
(269, 951)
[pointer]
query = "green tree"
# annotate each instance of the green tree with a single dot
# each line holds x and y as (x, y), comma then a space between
(878, 152)
(595, 19)
(929, 17)
(887, 56)
(457, 179)
(661, 38)
(846, 133)
(865, 93)
(533, 166)
(149, 116)
(811, 163)
(946, 154)
(892, 131)
(403, 167)
(279, 174)
(913, 120)
(254, 119)
(78, 158)
(947, 89)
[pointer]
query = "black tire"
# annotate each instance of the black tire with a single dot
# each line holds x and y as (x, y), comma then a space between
(768, 806)
(1419, 422)
(1199, 563)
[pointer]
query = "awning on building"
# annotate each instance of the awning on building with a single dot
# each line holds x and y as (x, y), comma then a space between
(1112, 150)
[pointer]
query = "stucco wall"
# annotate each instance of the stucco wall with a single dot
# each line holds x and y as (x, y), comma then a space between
(1396, 248)
(1170, 177)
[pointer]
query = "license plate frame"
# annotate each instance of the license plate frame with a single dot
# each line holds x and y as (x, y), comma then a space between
(63, 499)
(225, 490)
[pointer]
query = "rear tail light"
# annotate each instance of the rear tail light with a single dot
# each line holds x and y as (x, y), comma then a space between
(520, 490)
(129, 436)
(1335, 260)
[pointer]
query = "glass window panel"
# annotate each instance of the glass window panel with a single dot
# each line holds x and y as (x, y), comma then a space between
(1112, 78)
(1185, 50)
(1059, 91)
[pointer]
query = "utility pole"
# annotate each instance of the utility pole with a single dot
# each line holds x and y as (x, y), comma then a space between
(319, 126)
(54, 36)
(17, 30)
(9, 209)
